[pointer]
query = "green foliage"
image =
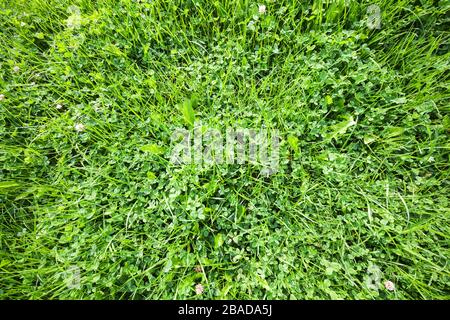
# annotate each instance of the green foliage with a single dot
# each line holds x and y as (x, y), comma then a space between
(188, 111)
(364, 157)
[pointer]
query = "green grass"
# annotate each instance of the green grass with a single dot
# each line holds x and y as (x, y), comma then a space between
(364, 161)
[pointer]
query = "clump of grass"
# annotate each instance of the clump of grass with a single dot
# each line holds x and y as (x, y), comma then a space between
(92, 208)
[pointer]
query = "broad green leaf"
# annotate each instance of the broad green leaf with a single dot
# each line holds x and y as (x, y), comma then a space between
(369, 138)
(340, 128)
(393, 132)
(332, 267)
(188, 111)
(218, 240)
(152, 148)
(293, 143)
(168, 266)
(400, 100)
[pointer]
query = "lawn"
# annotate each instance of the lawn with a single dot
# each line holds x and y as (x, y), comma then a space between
(94, 93)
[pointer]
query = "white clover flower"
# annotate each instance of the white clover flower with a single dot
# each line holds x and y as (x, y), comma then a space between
(23, 24)
(262, 8)
(199, 288)
(59, 106)
(2, 97)
(79, 127)
(16, 69)
(389, 285)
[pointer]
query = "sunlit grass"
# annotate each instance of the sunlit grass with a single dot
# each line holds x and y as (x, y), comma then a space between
(364, 159)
